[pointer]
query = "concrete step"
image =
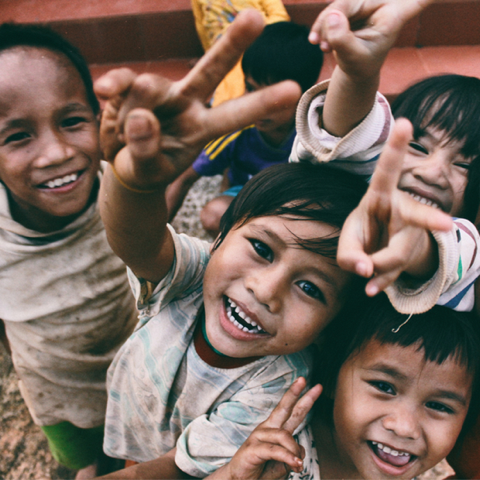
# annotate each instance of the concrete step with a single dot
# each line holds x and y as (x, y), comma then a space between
(159, 35)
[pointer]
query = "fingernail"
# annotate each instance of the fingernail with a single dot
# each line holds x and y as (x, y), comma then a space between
(372, 290)
(361, 269)
(313, 38)
(333, 20)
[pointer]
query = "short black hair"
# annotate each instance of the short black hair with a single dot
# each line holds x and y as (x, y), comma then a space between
(442, 333)
(451, 104)
(298, 190)
(283, 52)
(14, 35)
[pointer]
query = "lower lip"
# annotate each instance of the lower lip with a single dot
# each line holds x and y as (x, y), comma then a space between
(388, 468)
(235, 332)
(64, 188)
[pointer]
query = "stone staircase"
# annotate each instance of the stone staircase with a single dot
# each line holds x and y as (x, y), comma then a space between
(159, 36)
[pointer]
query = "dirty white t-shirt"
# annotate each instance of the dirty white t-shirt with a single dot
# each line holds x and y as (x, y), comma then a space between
(67, 308)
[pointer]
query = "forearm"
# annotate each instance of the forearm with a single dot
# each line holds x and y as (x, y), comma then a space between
(163, 467)
(136, 227)
(348, 102)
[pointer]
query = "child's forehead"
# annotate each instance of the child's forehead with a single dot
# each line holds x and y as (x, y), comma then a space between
(38, 59)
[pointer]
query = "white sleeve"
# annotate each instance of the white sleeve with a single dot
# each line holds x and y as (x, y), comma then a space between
(452, 285)
(357, 151)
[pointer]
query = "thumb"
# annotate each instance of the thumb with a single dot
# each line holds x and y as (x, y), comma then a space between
(142, 134)
(337, 33)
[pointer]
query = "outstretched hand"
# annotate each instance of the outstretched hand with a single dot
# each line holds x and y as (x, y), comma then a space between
(271, 451)
(152, 129)
(361, 32)
(389, 232)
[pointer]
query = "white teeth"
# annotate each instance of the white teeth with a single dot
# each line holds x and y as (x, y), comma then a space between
(232, 306)
(390, 451)
(58, 182)
(424, 201)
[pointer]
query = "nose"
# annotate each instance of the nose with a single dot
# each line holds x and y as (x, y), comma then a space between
(268, 285)
(403, 421)
(54, 150)
(434, 170)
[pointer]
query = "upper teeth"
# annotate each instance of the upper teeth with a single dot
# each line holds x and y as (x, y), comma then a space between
(233, 307)
(58, 182)
(424, 200)
(390, 451)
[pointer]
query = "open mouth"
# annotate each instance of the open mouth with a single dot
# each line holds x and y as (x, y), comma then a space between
(240, 319)
(60, 181)
(396, 458)
(424, 201)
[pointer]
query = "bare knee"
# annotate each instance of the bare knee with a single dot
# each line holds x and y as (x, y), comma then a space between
(212, 213)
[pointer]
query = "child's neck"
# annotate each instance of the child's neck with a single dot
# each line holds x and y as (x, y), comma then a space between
(333, 460)
(278, 136)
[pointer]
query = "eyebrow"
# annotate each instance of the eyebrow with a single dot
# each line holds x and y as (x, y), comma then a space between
(279, 241)
(394, 373)
(12, 124)
(387, 369)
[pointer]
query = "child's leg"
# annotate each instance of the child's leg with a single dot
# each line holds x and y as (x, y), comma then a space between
(74, 447)
(213, 211)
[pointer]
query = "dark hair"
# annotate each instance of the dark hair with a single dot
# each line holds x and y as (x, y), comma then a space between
(442, 333)
(450, 103)
(283, 52)
(17, 35)
(299, 190)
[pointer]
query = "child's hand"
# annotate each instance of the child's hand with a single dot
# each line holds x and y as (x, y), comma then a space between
(161, 146)
(388, 233)
(361, 32)
(271, 451)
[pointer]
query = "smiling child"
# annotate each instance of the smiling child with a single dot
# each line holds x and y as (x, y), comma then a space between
(223, 329)
(398, 393)
(65, 304)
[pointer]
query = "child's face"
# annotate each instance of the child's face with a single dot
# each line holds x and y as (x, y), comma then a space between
(282, 121)
(395, 414)
(49, 148)
(266, 295)
(436, 173)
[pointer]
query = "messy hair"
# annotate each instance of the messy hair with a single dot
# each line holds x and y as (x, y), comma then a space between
(441, 334)
(302, 191)
(449, 103)
(14, 35)
(283, 52)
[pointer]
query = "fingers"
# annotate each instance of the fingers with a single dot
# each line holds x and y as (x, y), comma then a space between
(114, 83)
(415, 214)
(142, 134)
(202, 80)
(276, 452)
(352, 253)
(244, 111)
(389, 167)
(292, 410)
(301, 409)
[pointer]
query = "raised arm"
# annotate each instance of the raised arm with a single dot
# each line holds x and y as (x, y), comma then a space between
(389, 233)
(360, 34)
(152, 129)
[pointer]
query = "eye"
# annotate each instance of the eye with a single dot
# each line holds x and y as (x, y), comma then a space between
(463, 164)
(384, 387)
(262, 250)
(312, 290)
(439, 407)
(418, 148)
(73, 121)
(16, 137)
